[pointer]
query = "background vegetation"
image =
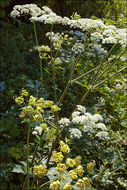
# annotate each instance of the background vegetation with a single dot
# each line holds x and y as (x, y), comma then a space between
(20, 68)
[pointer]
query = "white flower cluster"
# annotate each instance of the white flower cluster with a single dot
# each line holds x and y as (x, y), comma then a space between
(50, 18)
(37, 131)
(30, 9)
(75, 133)
(121, 84)
(88, 123)
(96, 36)
(52, 36)
(64, 121)
(108, 34)
(102, 135)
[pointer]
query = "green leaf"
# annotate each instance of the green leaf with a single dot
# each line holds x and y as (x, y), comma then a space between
(18, 169)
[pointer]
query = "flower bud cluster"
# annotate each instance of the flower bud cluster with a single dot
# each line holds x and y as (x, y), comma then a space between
(83, 183)
(57, 156)
(55, 185)
(64, 147)
(90, 166)
(40, 170)
(33, 110)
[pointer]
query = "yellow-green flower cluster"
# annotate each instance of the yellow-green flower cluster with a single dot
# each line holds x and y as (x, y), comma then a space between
(61, 168)
(59, 39)
(19, 100)
(82, 183)
(76, 172)
(43, 126)
(55, 185)
(43, 48)
(35, 108)
(80, 170)
(24, 92)
(55, 108)
(57, 156)
(43, 51)
(40, 170)
(70, 162)
(90, 166)
(64, 147)
(78, 160)
(67, 186)
(73, 174)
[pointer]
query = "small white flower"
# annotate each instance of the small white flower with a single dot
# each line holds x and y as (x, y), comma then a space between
(34, 132)
(89, 116)
(96, 36)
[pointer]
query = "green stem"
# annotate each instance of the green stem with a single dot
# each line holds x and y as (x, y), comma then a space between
(103, 62)
(113, 59)
(76, 82)
(69, 82)
(110, 77)
(109, 66)
(41, 73)
(103, 168)
(27, 155)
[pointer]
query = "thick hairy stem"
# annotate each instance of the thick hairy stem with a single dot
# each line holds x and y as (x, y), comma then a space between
(102, 170)
(41, 73)
(109, 66)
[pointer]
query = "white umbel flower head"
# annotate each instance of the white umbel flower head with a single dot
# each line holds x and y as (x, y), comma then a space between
(64, 121)
(97, 117)
(101, 126)
(75, 133)
(102, 135)
(88, 129)
(37, 130)
(81, 109)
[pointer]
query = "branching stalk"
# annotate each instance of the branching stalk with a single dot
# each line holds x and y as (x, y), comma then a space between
(69, 82)
(110, 77)
(80, 102)
(113, 59)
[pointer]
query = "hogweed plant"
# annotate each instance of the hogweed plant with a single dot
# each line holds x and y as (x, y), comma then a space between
(55, 169)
